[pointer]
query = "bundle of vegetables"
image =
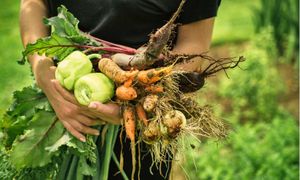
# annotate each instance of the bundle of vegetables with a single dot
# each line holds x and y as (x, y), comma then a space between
(142, 81)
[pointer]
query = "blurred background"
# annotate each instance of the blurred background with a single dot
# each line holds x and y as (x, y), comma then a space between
(260, 99)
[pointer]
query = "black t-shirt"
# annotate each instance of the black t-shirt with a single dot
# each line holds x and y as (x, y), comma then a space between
(130, 22)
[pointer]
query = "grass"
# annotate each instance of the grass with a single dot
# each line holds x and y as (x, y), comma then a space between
(234, 23)
(12, 75)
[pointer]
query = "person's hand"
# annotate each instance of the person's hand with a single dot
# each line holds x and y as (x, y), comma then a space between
(109, 112)
(75, 118)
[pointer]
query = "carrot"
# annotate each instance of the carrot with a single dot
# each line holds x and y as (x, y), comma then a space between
(129, 123)
(154, 89)
(129, 82)
(114, 72)
(141, 114)
(126, 93)
(153, 75)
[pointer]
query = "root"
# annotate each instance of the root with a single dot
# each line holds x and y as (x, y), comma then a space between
(203, 122)
(160, 38)
(200, 122)
(221, 64)
(215, 65)
(133, 153)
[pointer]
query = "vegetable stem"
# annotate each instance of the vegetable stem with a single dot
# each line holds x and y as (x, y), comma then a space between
(65, 167)
(109, 145)
(92, 56)
(112, 44)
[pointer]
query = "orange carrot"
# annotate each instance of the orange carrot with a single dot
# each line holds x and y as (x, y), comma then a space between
(153, 75)
(129, 123)
(154, 89)
(114, 72)
(126, 93)
(129, 82)
(141, 113)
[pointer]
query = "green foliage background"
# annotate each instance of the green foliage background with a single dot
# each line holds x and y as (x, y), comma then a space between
(13, 76)
(264, 143)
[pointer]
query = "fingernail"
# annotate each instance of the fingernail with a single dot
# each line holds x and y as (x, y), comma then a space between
(93, 106)
(83, 139)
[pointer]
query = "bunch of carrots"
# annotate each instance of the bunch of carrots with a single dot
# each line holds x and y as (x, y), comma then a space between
(154, 109)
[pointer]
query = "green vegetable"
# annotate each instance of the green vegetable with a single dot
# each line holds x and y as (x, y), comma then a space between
(93, 87)
(36, 142)
(44, 131)
(74, 66)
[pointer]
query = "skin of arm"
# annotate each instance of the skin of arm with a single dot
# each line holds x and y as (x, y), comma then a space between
(194, 38)
(75, 118)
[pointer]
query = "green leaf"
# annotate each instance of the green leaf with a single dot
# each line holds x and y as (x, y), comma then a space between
(18, 116)
(64, 37)
(29, 150)
(66, 25)
(87, 155)
(26, 100)
(60, 142)
(53, 46)
(9, 172)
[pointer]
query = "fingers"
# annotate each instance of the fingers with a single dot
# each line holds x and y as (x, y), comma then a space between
(63, 92)
(109, 112)
(107, 109)
(89, 121)
(53, 68)
(74, 132)
(84, 129)
(76, 129)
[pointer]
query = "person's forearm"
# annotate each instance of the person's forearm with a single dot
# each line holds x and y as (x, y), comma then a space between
(32, 28)
(194, 38)
(32, 13)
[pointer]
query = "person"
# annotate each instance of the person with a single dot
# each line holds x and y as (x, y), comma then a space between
(120, 21)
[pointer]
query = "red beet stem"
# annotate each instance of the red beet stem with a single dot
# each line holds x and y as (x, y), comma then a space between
(107, 43)
(116, 50)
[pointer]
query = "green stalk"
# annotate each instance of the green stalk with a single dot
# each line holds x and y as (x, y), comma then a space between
(98, 151)
(118, 164)
(64, 167)
(110, 140)
(73, 169)
(92, 56)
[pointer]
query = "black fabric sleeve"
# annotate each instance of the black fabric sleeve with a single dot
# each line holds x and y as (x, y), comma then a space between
(195, 10)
